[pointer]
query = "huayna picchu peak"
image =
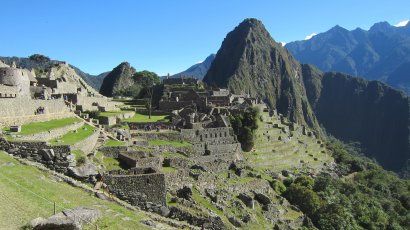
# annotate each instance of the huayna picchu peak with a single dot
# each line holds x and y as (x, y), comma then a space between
(250, 61)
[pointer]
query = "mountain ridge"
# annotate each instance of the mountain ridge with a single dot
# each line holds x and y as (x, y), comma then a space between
(375, 54)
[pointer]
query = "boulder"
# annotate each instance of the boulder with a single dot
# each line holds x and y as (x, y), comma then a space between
(184, 193)
(262, 199)
(47, 154)
(84, 171)
(246, 199)
(69, 219)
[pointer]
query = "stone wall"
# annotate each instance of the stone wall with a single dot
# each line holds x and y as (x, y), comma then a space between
(92, 103)
(172, 136)
(176, 180)
(87, 145)
(57, 158)
(173, 105)
(14, 107)
(18, 120)
(112, 151)
(143, 125)
(112, 120)
(142, 162)
(53, 133)
(147, 191)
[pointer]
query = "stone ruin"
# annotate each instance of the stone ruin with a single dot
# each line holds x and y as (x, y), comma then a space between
(143, 187)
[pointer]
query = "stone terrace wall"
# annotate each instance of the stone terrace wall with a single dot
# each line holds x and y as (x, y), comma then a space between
(51, 134)
(147, 191)
(112, 151)
(57, 158)
(92, 103)
(173, 105)
(14, 107)
(87, 145)
(8, 121)
(146, 162)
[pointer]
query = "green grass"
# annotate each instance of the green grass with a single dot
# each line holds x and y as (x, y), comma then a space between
(145, 118)
(109, 163)
(19, 206)
(111, 143)
(38, 127)
(73, 137)
(168, 169)
(171, 143)
(112, 113)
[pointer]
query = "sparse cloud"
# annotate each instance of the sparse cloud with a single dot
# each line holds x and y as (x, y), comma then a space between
(199, 62)
(283, 43)
(402, 23)
(310, 36)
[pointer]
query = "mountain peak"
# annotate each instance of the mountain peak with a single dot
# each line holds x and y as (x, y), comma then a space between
(383, 27)
(250, 61)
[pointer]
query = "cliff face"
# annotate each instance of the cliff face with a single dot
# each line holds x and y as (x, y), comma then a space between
(250, 61)
(369, 112)
(119, 79)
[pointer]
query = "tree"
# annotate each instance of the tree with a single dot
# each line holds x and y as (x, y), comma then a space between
(147, 80)
(244, 126)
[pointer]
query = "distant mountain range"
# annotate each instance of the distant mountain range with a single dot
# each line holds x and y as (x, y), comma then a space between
(351, 109)
(381, 53)
(198, 70)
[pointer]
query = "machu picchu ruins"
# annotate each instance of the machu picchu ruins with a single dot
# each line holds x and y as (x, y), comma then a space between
(188, 148)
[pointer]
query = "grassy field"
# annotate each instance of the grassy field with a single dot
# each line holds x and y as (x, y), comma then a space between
(111, 142)
(75, 136)
(172, 143)
(37, 127)
(27, 193)
(109, 163)
(145, 118)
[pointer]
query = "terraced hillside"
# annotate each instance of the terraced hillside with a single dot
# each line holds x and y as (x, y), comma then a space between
(27, 193)
(279, 147)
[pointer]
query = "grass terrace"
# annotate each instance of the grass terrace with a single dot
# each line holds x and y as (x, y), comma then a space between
(171, 143)
(27, 193)
(109, 163)
(145, 118)
(112, 113)
(38, 127)
(74, 136)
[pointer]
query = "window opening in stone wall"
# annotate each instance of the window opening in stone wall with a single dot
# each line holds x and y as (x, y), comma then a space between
(148, 181)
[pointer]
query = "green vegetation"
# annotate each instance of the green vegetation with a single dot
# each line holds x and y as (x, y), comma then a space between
(172, 143)
(75, 136)
(111, 142)
(168, 169)
(109, 163)
(367, 197)
(19, 205)
(38, 127)
(244, 126)
(147, 80)
(79, 156)
(112, 113)
(145, 118)
(173, 155)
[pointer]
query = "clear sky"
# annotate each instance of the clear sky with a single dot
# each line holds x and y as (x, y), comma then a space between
(168, 36)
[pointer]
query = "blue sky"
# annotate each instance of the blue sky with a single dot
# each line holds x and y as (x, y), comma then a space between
(168, 36)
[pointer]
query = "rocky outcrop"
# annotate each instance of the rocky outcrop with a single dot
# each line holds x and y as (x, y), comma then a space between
(119, 79)
(250, 61)
(69, 219)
